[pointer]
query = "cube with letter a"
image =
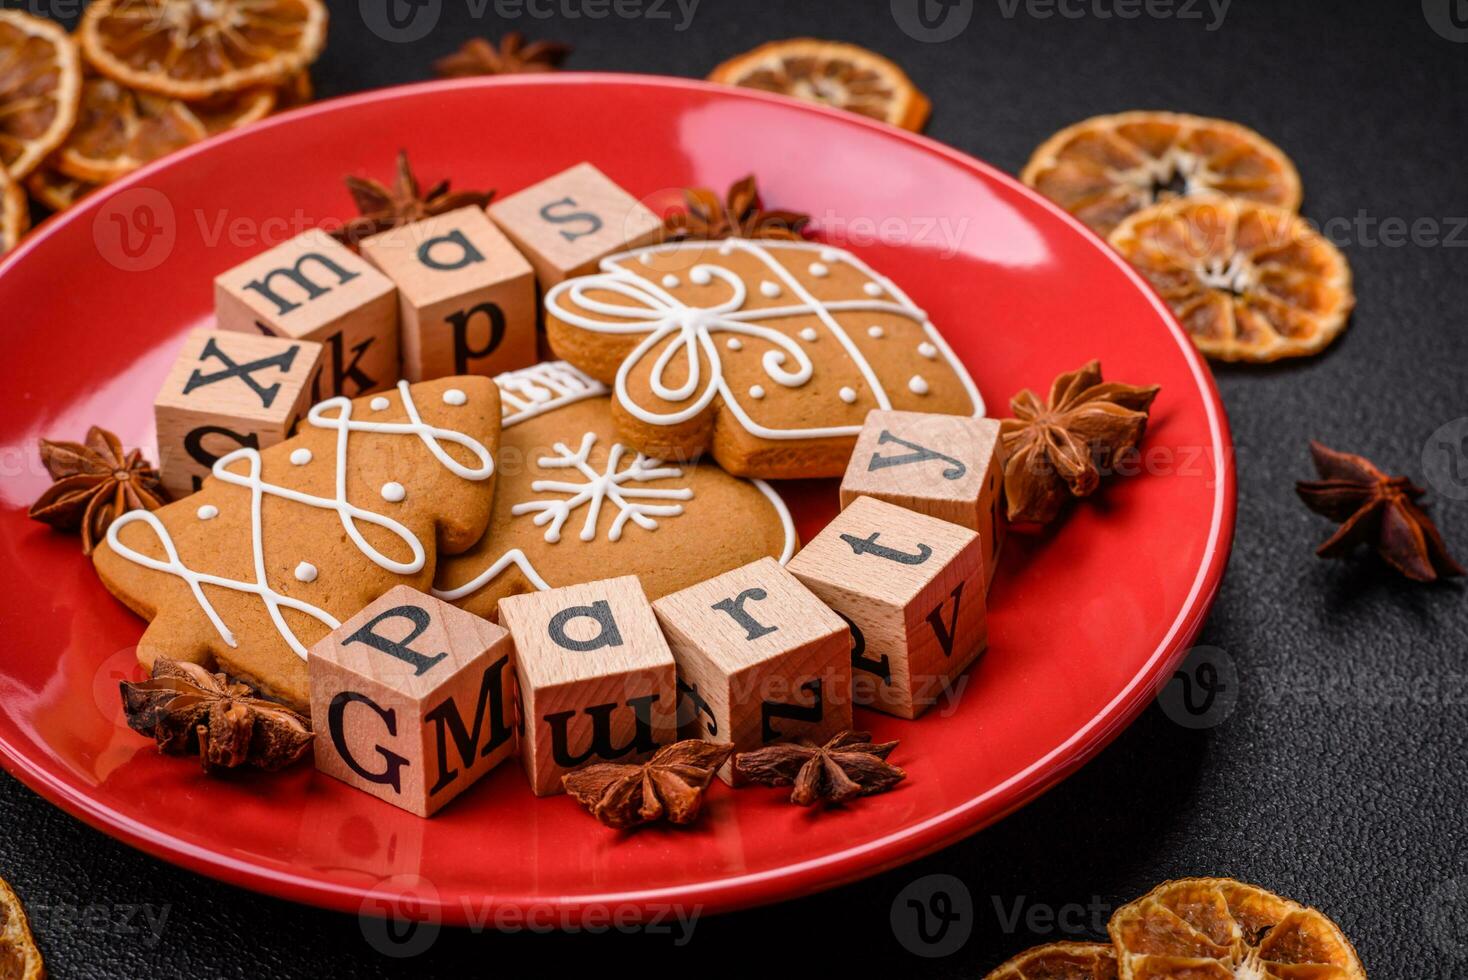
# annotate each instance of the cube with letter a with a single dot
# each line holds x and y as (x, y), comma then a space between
(412, 700)
(227, 390)
(911, 587)
(946, 466)
(313, 288)
(760, 659)
(466, 297)
(595, 674)
(568, 223)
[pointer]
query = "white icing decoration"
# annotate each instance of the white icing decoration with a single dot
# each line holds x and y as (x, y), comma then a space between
(349, 514)
(647, 258)
(769, 289)
(917, 385)
(700, 276)
(872, 289)
(207, 512)
(819, 270)
(305, 572)
(734, 343)
(378, 404)
(726, 249)
(876, 333)
(453, 397)
(848, 394)
(536, 390)
(756, 391)
(809, 334)
(830, 255)
(618, 301)
(614, 484)
(670, 281)
(928, 350)
(393, 492)
(300, 457)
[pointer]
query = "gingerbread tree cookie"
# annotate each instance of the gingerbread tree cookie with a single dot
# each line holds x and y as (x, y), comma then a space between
(575, 505)
(768, 353)
(280, 545)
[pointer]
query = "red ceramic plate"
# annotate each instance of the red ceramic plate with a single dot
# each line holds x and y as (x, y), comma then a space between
(1085, 622)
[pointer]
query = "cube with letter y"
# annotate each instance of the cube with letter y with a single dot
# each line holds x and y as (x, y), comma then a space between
(313, 288)
(412, 700)
(596, 677)
(946, 466)
(466, 297)
(760, 659)
(911, 587)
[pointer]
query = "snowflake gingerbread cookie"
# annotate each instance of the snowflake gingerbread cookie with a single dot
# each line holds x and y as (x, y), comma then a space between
(768, 353)
(282, 544)
(575, 504)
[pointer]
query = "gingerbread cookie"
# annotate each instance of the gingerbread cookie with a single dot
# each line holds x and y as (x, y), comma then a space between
(768, 353)
(575, 505)
(280, 545)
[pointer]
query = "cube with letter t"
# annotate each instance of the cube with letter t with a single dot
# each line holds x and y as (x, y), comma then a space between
(412, 700)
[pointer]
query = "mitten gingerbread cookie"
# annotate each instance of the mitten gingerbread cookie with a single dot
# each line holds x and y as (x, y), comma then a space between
(280, 545)
(769, 353)
(575, 505)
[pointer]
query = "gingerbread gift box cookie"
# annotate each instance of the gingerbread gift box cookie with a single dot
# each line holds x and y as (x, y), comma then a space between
(282, 544)
(573, 505)
(768, 353)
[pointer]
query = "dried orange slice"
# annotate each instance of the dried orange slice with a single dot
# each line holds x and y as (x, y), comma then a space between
(1107, 167)
(1061, 961)
(196, 49)
(15, 215)
(19, 957)
(832, 73)
(1217, 929)
(297, 91)
(1247, 281)
(233, 110)
(118, 130)
(40, 83)
(54, 189)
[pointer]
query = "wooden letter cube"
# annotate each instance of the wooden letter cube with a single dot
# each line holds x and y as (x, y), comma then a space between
(911, 587)
(945, 466)
(466, 297)
(313, 288)
(227, 390)
(596, 677)
(760, 659)
(568, 223)
(412, 700)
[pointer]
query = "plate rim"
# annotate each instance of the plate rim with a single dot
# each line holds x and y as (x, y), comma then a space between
(719, 894)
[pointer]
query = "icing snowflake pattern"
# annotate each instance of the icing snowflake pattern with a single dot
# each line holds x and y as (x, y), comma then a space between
(615, 484)
(644, 307)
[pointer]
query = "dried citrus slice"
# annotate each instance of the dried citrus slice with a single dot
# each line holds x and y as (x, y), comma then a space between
(40, 82)
(296, 91)
(195, 49)
(1104, 168)
(19, 957)
(54, 189)
(233, 110)
(832, 73)
(118, 130)
(1061, 961)
(1217, 929)
(1247, 281)
(15, 216)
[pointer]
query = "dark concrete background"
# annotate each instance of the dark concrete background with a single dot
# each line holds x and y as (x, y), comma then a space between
(1338, 776)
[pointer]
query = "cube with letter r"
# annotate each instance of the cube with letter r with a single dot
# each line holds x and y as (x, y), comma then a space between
(412, 700)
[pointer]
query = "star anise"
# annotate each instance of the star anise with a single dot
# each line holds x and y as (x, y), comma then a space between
(192, 711)
(847, 766)
(480, 56)
(383, 208)
(1377, 510)
(740, 215)
(1057, 449)
(96, 482)
(669, 786)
